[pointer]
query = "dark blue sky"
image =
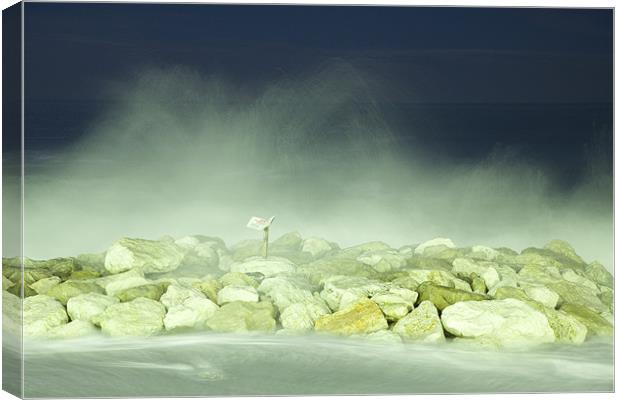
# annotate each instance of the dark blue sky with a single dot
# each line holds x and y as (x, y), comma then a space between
(433, 54)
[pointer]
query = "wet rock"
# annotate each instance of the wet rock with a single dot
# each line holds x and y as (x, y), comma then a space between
(421, 325)
(150, 256)
(44, 285)
(599, 274)
(596, 324)
(363, 316)
(66, 290)
(241, 316)
(187, 308)
(140, 317)
(510, 322)
(267, 266)
(72, 330)
(232, 293)
(89, 306)
(151, 291)
(442, 297)
(41, 314)
(434, 243)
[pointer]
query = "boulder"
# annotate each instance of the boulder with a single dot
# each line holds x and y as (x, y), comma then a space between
(363, 316)
(237, 278)
(286, 290)
(66, 290)
(140, 317)
(599, 274)
(113, 284)
(88, 306)
(442, 297)
(434, 243)
(510, 322)
(43, 286)
(72, 330)
(241, 316)
(150, 256)
(571, 276)
(316, 246)
(564, 249)
(393, 306)
(339, 291)
(300, 317)
(289, 242)
(484, 269)
(232, 293)
(41, 314)
(187, 308)
(151, 291)
(421, 325)
(267, 266)
(209, 287)
(596, 324)
(543, 295)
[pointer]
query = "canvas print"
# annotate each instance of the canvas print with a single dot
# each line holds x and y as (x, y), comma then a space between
(226, 200)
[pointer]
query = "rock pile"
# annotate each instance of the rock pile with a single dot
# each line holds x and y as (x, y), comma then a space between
(432, 292)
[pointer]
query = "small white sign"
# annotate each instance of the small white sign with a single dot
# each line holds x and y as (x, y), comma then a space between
(260, 224)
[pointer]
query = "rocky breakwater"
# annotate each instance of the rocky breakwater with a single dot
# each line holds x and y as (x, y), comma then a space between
(434, 292)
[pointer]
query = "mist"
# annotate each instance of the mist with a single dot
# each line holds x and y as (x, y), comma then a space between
(182, 153)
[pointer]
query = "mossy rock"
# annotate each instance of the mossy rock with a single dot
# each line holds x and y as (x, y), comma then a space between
(151, 291)
(66, 290)
(596, 324)
(442, 296)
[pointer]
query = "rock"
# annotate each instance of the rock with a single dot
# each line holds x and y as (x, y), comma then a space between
(393, 306)
(89, 306)
(267, 266)
(237, 278)
(543, 295)
(484, 253)
(232, 293)
(421, 249)
(209, 287)
(384, 260)
(327, 267)
(92, 262)
(442, 297)
(421, 325)
(246, 249)
(61, 267)
(547, 258)
(289, 242)
(316, 246)
(83, 275)
(565, 328)
(596, 324)
(563, 248)
(6, 283)
(599, 274)
(363, 316)
(571, 276)
(478, 285)
(72, 330)
(116, 283)
(300, 317)
(240, 317)
(510, 322)
(66, 290)
(387, 337)
(140, 317)
(41, 314)
(150, 256)
(11, 313)
(339, 291)
(441, 278)
(484, 269)
(607, 297)
(187, 242)
(205, 255)
(433, 264)
(151, 291)
(187, 308)
(286, 290)
(44, 285)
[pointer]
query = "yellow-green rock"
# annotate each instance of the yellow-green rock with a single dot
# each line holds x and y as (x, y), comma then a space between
(151, 291)
(443, 297)
(208, 287)
(363, 316)
(69, 289)
(596, 324)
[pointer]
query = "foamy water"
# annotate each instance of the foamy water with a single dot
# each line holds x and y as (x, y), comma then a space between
(217, 364)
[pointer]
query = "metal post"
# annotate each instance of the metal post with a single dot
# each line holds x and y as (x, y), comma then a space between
(266, 230)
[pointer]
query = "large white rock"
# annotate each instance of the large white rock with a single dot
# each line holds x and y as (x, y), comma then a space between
(150, 256)
(187, 308)
(421, 325)
(42, 314)
(88, 306)
(286, 290)
(267, 266)
(139, 317)
(510, 322)
(113, 284)
(300, 317)
(316, 246)
(237, 293)
(433, 243)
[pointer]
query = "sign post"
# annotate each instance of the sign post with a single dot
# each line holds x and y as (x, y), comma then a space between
(262, 224)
